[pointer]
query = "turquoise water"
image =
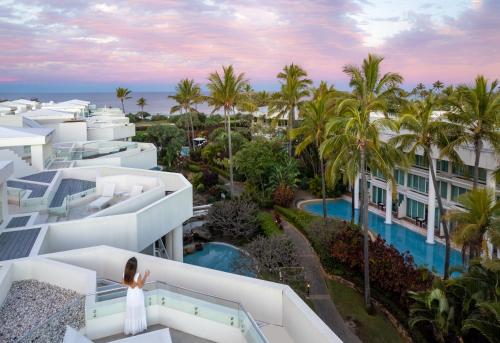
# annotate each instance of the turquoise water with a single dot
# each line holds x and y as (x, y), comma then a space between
(222, 257)
(429, 255)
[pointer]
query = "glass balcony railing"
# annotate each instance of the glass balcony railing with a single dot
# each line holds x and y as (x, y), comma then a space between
(93, 308)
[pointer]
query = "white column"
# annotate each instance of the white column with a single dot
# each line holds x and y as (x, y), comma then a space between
(37, 159)
(491, 182)
(431, 207)
(177, 245)
(5, 202)
(356, 192)
(388, 203)
(170, 244)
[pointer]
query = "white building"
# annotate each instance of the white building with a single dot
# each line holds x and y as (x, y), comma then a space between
(416, 197)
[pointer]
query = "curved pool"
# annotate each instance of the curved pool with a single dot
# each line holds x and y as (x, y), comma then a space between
(223, 257)
(426, 255)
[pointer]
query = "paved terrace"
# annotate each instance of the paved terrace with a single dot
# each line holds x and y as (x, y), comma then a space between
(17, 244)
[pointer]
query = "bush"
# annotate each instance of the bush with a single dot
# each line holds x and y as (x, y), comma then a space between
(195, 155)
(332, 192)
(390, 271)
(268, 224)
(209, 178)
(194, 168)
(273, 253)
(216, 192)
(322, 236)
(233, 219)
(283, 195)
(299, 218)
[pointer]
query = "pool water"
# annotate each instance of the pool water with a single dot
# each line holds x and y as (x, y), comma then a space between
(223, 257)
(430, 256)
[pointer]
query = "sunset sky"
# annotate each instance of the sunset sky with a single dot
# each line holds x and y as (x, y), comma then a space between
(78, 45)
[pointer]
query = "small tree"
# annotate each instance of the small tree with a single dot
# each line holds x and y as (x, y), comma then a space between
(233, 219)
(273, 253)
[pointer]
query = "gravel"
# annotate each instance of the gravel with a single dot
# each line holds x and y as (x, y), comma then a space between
(28, 306)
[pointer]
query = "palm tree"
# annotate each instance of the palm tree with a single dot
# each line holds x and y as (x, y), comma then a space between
(141, 103)
(423, 131)
(294, 88)
(475, 221)
(476, 111)
(315, 115)
(227, 90)
(437, 86)
(353, 139)
(188, 94)
(123, 94)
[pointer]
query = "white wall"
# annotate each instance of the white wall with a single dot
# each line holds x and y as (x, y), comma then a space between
(21, 168)
(111, 132)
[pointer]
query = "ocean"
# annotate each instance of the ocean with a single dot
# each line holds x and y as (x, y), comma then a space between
(157, 102)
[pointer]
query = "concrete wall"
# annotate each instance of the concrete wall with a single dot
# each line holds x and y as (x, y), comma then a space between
(111, 132)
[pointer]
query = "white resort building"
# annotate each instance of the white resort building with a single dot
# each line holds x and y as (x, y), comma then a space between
(78, 199)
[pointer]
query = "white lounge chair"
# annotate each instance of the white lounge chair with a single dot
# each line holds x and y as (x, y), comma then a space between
(108, 192)
(136, 190)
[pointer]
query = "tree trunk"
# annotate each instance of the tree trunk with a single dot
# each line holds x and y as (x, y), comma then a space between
(123, 106)
(352, 205)
(187, 131)
(323, 187)
(192, 128)
(364, 226)
(477, 147)
(290, 127)
(230, 148)
(443, 221)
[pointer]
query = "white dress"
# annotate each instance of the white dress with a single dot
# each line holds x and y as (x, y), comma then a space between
(135, 316)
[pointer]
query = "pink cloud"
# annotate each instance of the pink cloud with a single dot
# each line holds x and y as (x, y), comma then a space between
(151, 41)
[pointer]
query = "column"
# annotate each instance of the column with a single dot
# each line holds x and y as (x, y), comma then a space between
(37, 159)
(431, 207)
(491, 183)
(388, 203)
(177, 244)
(356, 193)
(169, 245)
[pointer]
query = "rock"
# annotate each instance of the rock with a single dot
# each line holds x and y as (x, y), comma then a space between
(202, 233)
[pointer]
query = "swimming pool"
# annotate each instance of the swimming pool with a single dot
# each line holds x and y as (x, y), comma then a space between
(429, 255)
(223, 257)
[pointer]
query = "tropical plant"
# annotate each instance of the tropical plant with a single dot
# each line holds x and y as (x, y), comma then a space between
(294, 88)
(188, 94)
(234, 219)
(141, 102)
(437, 86)
(123, 94)
(315, 115)
(465, 309)
(227, 90)
(353, 139)
(476, 111)
(475, 221)
(168, 139)
(423, 131)
(273, 253)
(283, 180)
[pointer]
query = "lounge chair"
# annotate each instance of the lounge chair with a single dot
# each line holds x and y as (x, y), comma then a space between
(105, 198)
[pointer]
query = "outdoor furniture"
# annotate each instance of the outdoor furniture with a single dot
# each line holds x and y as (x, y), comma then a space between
(419, 221)
(105, 198)
(381, 206)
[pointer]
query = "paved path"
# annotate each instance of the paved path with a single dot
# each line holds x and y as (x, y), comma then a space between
(319, 293)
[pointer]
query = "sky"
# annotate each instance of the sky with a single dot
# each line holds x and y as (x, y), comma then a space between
(149, 45)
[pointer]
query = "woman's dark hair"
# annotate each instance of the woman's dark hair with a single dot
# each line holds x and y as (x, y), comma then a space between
(130, 269)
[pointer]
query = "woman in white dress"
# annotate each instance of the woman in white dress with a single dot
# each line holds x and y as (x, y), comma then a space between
(135, 316)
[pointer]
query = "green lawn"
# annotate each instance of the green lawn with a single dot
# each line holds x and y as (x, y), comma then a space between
(350, 304)
(268, 225)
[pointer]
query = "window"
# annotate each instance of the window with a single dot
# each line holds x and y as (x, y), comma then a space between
(399, 175)
(442, 166)
(377, 173)
(456, 192)
(378, 195)
(421, 162)
(443, 189)
(415, 209)
(467, 171)
(418, 183)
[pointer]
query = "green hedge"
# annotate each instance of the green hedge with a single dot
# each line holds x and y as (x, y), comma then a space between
(299, 218)
(268, 225)
(219, 171)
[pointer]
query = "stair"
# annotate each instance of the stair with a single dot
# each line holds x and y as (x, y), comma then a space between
(21, 168)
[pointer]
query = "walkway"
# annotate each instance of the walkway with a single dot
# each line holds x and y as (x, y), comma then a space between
(319, 295)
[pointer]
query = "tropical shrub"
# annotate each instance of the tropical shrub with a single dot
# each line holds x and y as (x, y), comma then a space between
(233, 219)
(299, 218)
(465, 309)
(390, 270)
(209, 178)
(273, 253)
(283, 195)
(195, 155)
(337, 190)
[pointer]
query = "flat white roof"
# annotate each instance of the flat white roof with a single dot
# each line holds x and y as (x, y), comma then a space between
(47, 112)
(20, 136)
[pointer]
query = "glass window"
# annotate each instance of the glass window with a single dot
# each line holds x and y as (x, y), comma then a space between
(378, 173)
(467, 171)
(443, 189)
(457, 192)
(421, 161)
(378, 195)
(399, 175)
(415, 209)
(418, 183)
(442, 166)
